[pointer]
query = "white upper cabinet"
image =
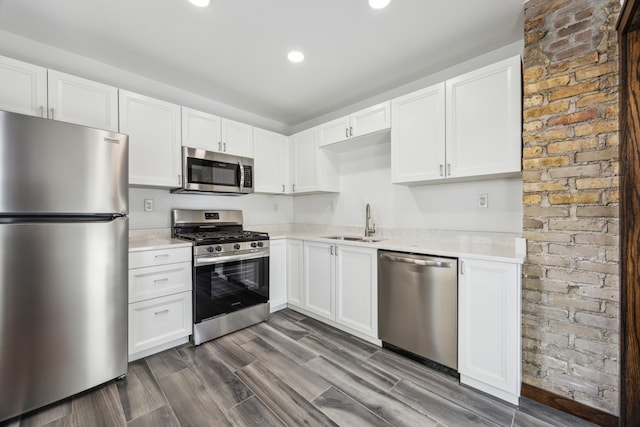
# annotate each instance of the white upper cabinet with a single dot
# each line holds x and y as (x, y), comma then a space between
(364, 122)
(237, 138)
(314, 170)
(418, 135)
(201, 130)
(84, 102)
(23, 87)
(484, 121)
(153, 127)
(212, 133)
(270, 162)
(467, 127)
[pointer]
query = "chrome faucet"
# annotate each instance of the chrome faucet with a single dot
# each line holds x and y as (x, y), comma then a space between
(369, 226)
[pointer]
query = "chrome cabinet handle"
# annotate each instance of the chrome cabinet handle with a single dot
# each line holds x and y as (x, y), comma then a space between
(294, 188)
(283, 188)
(421, 262)
(346, 132)
(331, 249)
(351, 130)
(162, 256)
(449, 169)
(462, 267)
(219, 145)
(224, 147)
(441, 170)
(179, 179)
(164, 279)
(161, 312)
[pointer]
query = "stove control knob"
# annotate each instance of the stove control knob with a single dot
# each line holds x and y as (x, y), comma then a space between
(260, 244)
(236, 246)
(254, 244)
(210, 249)
(218, 248)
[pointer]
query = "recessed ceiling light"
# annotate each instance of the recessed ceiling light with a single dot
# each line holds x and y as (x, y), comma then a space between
(295, 56)
(379, 4)
(200, 3)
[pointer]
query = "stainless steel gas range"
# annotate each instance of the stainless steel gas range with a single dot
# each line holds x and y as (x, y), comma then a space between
(230, 271)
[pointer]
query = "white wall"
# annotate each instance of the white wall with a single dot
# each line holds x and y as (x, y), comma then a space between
(366, 178)
(257, 209)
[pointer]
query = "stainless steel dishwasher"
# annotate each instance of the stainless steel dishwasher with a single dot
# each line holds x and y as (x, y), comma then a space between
(418, 305)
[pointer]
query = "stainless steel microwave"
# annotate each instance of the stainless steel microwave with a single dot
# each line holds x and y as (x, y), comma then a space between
(209, 172)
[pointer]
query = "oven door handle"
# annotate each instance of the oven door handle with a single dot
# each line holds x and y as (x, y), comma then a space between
(208, 260)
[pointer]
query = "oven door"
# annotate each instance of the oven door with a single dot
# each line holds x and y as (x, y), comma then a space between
(230, 284)
(206, 171)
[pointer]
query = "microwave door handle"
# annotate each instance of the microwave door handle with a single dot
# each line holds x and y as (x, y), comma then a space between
(241, 175)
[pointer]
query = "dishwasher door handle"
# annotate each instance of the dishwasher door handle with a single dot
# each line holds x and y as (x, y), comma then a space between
(421, 262)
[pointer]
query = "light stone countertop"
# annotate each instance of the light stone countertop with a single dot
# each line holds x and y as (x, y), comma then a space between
(501, 247)
(144, 240)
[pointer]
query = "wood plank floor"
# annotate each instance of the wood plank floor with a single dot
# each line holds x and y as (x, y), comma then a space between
(289, 371)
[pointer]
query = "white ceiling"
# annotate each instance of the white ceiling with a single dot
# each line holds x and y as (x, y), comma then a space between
(235, 50)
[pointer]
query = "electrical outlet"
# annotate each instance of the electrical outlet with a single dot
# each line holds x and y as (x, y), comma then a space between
(148, 205)
(483, 200)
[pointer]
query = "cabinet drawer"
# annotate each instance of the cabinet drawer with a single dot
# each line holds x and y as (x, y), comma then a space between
(159, 320)
(161, 280)
(159, 256)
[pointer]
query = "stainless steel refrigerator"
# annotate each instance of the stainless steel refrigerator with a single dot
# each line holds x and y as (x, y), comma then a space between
(63, 260)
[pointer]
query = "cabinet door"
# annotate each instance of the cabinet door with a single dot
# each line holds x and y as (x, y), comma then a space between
(295, 270)
(159, 320)
(418, 136)
(334, 131)
(319, 273)
(237, 138)
(304, 160)
(489, 327)
(84, 102)
(484, 120)
(200, 130)
(270, 162)
(23, 87)
(357, 289)
(153, 127)
(372, 119)
(278, 274)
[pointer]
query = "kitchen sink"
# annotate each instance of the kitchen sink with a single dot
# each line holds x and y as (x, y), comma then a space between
(353, 238)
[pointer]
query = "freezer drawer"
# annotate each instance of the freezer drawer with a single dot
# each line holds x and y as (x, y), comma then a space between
(417, 305)
(63, 310)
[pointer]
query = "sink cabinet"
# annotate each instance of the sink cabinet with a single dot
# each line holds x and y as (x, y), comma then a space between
(160, 303)
(489, 327)
(340, 287)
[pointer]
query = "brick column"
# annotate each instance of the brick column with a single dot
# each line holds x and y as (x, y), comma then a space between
(570, 183)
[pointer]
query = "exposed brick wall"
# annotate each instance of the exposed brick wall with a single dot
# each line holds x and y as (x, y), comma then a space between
(570, 182)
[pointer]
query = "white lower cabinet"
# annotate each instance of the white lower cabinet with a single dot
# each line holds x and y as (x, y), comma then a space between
(489, 327)
(340, 286)
(277, 274)
(160, 303)
(357, 288)
(295, 270)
